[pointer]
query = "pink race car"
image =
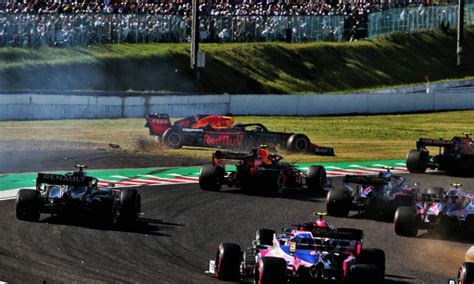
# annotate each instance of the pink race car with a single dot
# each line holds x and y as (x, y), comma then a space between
(311, 252)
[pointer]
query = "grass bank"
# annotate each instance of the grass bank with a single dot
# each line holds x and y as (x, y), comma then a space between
(240, 68)
(355, 138)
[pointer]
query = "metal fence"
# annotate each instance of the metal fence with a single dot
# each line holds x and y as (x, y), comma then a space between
(24, 30)
(34, 30)
(416, 18)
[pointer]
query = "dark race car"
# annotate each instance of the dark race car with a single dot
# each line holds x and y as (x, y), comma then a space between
(455, 156)
(217, 131)
(312, 253)
(449, 213)
(374, 195)
(76, 195)
(259, 170)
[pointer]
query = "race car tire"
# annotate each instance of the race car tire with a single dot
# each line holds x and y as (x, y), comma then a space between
(403, 200)
(364, 273)
(466, 273)
(264, 237)
(417, 161)
(173, 138)
(130, 204)
(210, 176)
(405, 221)
(338, 202)
(316, 178)
(469, 225)
(279, 184)
(228, 262)
(446, 226)
(271, 270)
(435, 190)
(107, 213)
(375, 257)
(298, 143)
(28, 205)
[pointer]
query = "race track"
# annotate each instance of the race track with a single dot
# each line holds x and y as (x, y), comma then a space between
(181, 228)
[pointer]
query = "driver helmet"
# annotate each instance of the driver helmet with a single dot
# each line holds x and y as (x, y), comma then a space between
(263, 153)
(321, 223)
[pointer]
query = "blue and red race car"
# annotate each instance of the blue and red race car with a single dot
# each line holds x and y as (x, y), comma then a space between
(447, 212)
(374, 195)
(219, 131)
(312, 252)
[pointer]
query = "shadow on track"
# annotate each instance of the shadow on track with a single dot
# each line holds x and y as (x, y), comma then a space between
(145, 226)
(457, 236)
(296, 194)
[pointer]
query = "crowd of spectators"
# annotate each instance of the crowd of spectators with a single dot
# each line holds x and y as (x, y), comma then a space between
(211, 8)
(71, 22)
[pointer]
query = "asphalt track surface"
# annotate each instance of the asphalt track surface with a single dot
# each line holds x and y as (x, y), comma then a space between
(181, 228)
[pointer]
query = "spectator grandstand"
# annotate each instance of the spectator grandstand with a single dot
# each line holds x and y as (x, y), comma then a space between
(34, 23)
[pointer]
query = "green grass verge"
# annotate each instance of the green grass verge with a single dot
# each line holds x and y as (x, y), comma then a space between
(241, 68)
(355, 138)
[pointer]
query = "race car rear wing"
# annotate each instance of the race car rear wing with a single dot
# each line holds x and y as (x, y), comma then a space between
(157, 123)
(442, 198)
(220, 155)
(341, 239)
(72, 180)
(365, 180)
(423, 142)
(347, 234)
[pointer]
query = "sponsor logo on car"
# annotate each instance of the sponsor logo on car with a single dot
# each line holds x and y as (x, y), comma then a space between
(192, 130)
(224, 140)
(61, 178)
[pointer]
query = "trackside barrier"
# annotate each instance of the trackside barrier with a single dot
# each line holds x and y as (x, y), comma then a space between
(135, 105)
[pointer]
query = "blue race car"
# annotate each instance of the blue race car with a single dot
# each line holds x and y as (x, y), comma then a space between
(446, 211)
(76, 195)
(374, 195)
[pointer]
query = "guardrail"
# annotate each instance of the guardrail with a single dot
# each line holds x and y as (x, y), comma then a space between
(126, 105)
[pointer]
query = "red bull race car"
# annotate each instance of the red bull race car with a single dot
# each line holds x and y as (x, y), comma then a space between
(260, 170)
(77, 196)
(219, 131)
(448, 212)
(310, 253)
(455, 156)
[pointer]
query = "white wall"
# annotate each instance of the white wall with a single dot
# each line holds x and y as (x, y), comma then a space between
(125, 105)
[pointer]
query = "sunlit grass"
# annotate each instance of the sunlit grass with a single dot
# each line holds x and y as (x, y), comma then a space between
(355, 138)
(315, 67)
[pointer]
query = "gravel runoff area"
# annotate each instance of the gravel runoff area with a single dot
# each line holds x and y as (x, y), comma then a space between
(28, 156)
